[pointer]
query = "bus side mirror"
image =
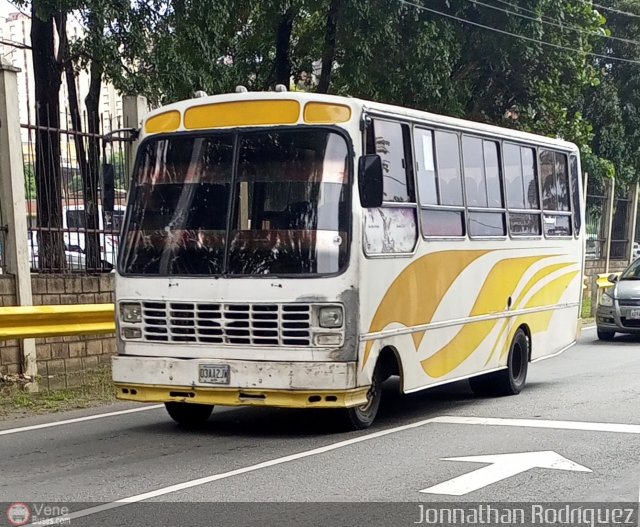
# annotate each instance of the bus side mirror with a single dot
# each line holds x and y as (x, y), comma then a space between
(370, 181)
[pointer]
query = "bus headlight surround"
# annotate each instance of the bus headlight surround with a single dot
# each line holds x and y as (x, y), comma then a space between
(606, 300)
(131, 312)
(330, 317)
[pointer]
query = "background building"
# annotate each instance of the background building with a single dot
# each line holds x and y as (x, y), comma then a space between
(15, 30)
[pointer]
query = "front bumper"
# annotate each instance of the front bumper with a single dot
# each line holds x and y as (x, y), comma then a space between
(617, 319)
(278, 384)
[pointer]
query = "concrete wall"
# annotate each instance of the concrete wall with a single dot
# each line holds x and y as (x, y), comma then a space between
(60, 359)
(9, 349)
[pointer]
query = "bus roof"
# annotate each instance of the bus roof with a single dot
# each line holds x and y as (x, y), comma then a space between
(290, 108)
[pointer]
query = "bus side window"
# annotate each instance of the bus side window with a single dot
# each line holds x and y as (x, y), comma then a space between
(483, 187)
(555, 193)
(575, 193)
(392, 229)
(439, 183)
(390, 146)
(522, 190)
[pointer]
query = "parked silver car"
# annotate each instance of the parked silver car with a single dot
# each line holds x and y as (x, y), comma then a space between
(619, 307)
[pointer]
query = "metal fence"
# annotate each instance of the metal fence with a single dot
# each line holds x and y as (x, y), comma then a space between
(93, 170)
(596, 238)
(620, 228)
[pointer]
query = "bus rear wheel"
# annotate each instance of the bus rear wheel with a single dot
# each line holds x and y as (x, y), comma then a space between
(511, 380)
(361, 417)
(188, 414)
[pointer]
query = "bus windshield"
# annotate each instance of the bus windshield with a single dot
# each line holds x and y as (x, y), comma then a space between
(239, 203)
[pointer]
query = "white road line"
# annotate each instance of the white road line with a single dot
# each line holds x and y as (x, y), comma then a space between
(216, 477)
(589, 327)
(564, 425)
(541, 423)
(78, 420)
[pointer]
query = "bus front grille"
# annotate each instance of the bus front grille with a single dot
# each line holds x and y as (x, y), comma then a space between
(241, 324)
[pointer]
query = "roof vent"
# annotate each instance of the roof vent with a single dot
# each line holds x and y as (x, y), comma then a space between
(241, 89)
(281, 87)
(200, 93)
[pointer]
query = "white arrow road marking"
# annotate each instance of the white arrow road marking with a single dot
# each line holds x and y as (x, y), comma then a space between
(502, 466)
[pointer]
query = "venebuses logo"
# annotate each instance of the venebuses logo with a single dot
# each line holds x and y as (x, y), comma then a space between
(18, 514)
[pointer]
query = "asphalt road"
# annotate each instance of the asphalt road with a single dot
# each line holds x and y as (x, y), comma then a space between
(264, 457)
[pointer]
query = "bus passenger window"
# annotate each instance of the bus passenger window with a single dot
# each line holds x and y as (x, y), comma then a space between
(555, 193)
(483, 187)
(449, 176)
(513, 176)
(562, 182)
(439, 177)
(548, 180)
(442, 222)
(522, 190)
(492, 173)
(474, 178)
(575, 192)
(389, 145)
(425, 162)
(529, 178)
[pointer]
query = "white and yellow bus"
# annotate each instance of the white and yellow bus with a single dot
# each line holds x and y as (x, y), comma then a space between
(296, 250)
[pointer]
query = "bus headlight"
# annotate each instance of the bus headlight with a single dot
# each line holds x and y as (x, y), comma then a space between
(606, 300)
(330, 317)
(131, 312)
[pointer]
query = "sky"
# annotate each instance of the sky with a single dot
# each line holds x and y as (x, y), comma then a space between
(5, 8)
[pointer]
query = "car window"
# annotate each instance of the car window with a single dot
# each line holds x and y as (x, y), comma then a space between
(632, 272)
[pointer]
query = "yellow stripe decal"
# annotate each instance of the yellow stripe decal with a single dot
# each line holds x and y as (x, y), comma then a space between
(413, 297)
(498, 286)
(535, 279)
(549, 295)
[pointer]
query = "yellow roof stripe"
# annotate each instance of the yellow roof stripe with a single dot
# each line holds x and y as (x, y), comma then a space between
(242, 113)
(326, 113)
(164, 122)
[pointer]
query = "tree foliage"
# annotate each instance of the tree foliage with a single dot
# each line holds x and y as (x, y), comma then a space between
(537, 73)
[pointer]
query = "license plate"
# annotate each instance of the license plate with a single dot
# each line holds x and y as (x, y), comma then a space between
(214, 373)
(634, 313)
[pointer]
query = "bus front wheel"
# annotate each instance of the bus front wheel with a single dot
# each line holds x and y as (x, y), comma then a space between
(511, 380)
(189, 414)
(361, 417)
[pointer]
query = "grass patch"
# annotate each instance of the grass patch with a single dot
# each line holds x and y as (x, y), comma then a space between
(586, 307)
(96, 389)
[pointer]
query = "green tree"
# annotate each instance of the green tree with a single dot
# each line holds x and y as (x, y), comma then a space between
(30, 181)
(614, 106)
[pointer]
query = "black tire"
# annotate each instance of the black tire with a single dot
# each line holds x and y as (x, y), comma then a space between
(189, 414)
(511, 380)
(361, 417)
(603, 334)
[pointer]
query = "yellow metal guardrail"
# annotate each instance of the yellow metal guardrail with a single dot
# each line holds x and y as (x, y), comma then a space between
(54, 321)
(92, 319)
(603, 280)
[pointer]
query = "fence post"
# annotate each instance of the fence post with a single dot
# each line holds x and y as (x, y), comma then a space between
(134, 109)
(13, 203)
(608, 227)
(633, 218)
